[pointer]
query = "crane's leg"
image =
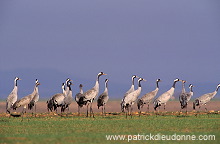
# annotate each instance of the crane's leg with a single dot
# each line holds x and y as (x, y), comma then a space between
(91, 111)
(104, 110)
(87, 113)
(165, 108)
(126, 108)
(35, 109)
(131, 111)
(205, 109)
(140, 112)
(23, 111)
(148, 107)
(78, 110)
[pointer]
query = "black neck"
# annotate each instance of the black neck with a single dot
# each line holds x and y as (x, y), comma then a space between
(157, 84)
(69, 87)
(191, 89)
(133, 80)
(217, 88)
(106, 84)
(16, 82)
(174, 84)
(139, 83)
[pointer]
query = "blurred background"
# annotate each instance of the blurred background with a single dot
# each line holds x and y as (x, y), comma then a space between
(53, 40)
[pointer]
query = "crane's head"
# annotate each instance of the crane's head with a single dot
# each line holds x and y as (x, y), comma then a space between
(68, 79)
(158, 80)
(63, 86)
(218, 85)
(134, 76)
(37, 82)
(80, 85)
(191, 85)
(106, 80)
(176, 80)
(101, 73)
(141, 79)
(17, 78)
(69, 83)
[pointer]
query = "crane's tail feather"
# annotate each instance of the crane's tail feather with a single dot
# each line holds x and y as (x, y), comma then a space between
(31, 105)
(156, 104)
(50, 104)
(16, 105)
(99, 103)
(183, 104)
(122, 106)
(8, 108)
(195, 103)
(140, 103)
(82, 101)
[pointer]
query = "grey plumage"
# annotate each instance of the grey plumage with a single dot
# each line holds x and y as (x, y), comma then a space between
(91, 94)
(13, 96)
(185, 97)
(27, 99)
(50, 105)
(129, 91)
(130, 99)
(68, 98)
(182, 96)
(79, 97)
(148, 97)
(202, 100)
(34, 100)
(103, 98)
(58, 99)
(164, 98)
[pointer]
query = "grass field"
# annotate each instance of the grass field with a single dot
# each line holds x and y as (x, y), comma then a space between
(52, 128)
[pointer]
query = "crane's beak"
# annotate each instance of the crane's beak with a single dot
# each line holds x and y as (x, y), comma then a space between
(104, 74)
(144, 80)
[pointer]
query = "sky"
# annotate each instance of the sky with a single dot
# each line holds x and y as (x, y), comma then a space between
(78, 39)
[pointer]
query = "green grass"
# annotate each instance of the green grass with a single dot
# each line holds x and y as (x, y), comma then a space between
(94, 130)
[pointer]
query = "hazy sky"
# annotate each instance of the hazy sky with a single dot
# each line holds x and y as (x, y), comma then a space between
(151, 38)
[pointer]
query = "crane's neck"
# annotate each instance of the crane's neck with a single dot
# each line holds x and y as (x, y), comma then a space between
(106, 86)
(35, 90)
(217, 89)
(157, 84)
(174, 84)
(81, 90)
(139, 89)
(16, 83)
(132, 81)
(64, 91)
(191, 89)
(15, 89)
(69, 87)
(139, 84)
(183, 88)
(97, 83)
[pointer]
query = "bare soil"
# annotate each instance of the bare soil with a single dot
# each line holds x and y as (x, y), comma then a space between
(114, 107)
